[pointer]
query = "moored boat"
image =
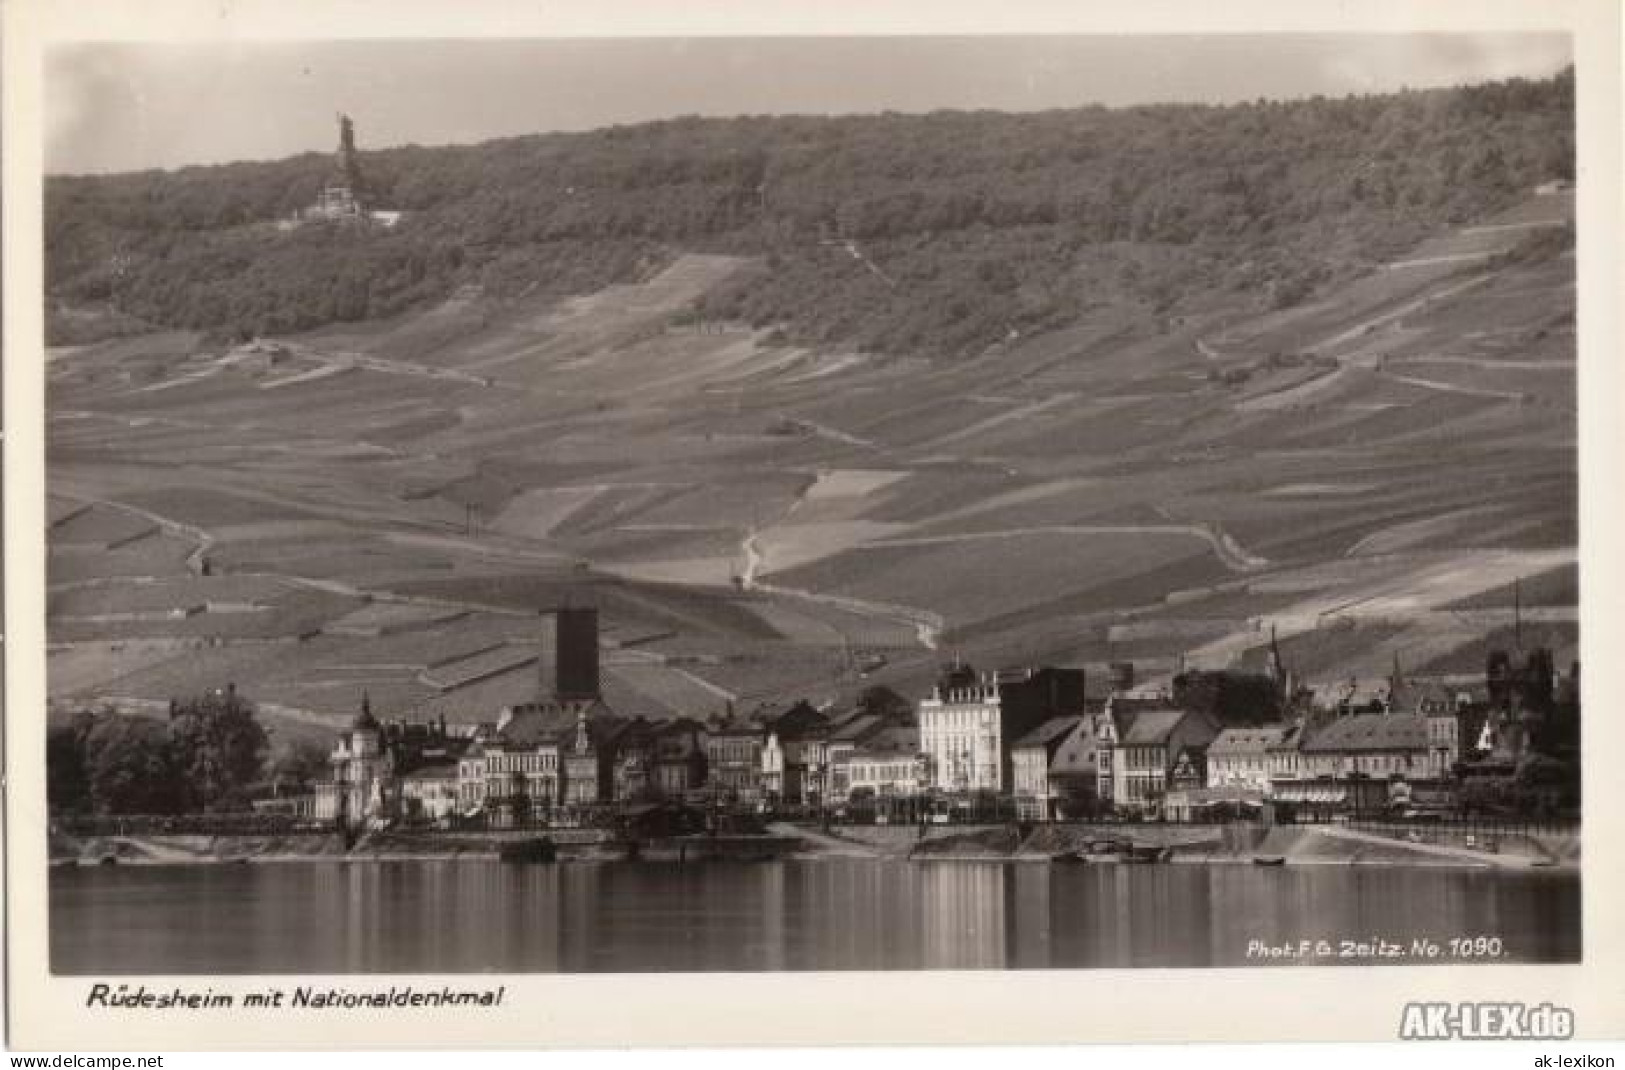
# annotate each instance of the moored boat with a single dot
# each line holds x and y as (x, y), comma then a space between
(1147, 854)
(1099, 851)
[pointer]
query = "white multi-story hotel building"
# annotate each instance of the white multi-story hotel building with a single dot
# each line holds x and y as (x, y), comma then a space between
(970, 722)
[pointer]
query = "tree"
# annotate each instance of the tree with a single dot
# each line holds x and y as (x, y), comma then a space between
(218, 747)
(67, 781)
(881, 701)
(1229, 698)
(131, 767)
(295, 765)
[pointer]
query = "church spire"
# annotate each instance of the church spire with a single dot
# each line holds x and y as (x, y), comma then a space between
(365, 720)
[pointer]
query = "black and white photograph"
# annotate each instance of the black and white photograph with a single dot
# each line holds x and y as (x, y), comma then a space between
(760, 504)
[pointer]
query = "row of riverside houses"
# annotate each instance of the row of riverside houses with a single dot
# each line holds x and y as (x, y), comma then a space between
(1031, 734)
(568, 751)
(1337, 750)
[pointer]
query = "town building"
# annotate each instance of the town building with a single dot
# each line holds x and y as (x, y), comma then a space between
(589, 758)
(970, 721)
(1447, 712)
(471, 778)
(1112, 722)
(1073, 773)
(1376, 746)
(520, 764)
(733, 758)
(1031, 758)
(1284, 756)
(557, 750)
(360, 789)
(1359, 763)
(1161, 749)
(888, 765)
(847, 732)
(429, 793)
(372, 765)
(633, 776)
(1242, 757)
(790, 750)
(679, 758)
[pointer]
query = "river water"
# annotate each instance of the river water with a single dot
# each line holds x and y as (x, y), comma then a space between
(823, 914)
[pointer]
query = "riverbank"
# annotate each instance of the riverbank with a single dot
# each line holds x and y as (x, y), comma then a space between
(1209, 844)
(572, 845)
(1205, 845)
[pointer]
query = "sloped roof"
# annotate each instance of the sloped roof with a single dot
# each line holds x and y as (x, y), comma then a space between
(1247, 741)
(1356, 693)
(1371, 732)
(857, 728)
(1437, 696)
(740, 726)
(1076, 753)
(1153, 726)
(439, 769)
(1125, 709)
(799, 720)
(1050, 733)
(889, 743)
(534, 724)
(537, 723)
(1290, 739)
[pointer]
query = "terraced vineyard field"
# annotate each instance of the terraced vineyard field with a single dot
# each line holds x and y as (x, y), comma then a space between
(388, 508)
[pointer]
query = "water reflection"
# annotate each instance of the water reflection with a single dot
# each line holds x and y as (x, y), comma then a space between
(835, 914)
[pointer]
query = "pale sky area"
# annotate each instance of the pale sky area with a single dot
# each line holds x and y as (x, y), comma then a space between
(133, 106)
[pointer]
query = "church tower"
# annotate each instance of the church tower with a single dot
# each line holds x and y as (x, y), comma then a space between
(364, 731)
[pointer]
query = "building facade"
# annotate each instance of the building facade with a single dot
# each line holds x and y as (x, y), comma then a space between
(970, 722)
(1374, 746)
(888, 765)
(1031, 757)
(679, 758)
(791, 752)
(1242, 757)
(1160, 749)
(361, 787)
(733, 757)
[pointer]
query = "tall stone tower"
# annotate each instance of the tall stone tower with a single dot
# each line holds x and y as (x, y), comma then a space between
(577, 654)
(342, 195)
(349, 170)
(567, 669)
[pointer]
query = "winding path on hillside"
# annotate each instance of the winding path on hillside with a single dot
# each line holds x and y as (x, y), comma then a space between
(928, 626)
(1225, 547)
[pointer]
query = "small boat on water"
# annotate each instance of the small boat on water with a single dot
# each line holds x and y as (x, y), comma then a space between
(1102, 851)
(541, 849)
(1148, 854)
(1269, 860)
(1123, 851)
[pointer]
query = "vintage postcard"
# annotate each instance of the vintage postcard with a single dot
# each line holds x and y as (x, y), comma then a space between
(578, 528)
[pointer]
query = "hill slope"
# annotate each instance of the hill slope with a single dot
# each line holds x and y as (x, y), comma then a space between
(934, 235)
(1367, 471)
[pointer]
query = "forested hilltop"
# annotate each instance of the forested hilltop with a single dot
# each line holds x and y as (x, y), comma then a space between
(933, 234)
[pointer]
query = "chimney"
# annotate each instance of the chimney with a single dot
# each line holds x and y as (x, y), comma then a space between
(576, 654)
